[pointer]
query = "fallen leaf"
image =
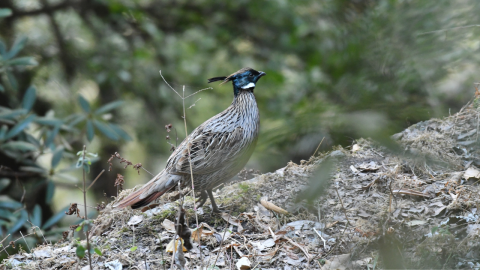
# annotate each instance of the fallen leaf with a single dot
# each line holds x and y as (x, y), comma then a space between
(355, 148)
(168, 225)
(171, 246)
(471, 172)
(416, 223)
(135, 220)
(233, 220)
(273, 207)
(243, 263)
(439, 210)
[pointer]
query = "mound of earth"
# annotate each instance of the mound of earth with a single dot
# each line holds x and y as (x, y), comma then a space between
(367, 206)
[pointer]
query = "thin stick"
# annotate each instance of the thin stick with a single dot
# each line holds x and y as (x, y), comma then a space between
(223, 237)
(85, 206)
(344, 210)
(191, 173)
(169, 84)
(324, 242)
(33, 253)
(447, 29)
(98, 176)
(318, 147)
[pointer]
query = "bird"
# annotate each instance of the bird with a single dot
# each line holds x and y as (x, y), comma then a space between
(219, 148)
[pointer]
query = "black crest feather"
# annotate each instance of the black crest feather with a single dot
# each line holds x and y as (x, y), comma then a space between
(229, 77)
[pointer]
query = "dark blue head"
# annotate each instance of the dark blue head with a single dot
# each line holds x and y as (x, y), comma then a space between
(244, 79)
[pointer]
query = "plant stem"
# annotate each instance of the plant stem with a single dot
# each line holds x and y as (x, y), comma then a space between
(85, 208)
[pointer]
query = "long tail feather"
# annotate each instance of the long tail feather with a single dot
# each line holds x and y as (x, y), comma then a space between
(150, 191)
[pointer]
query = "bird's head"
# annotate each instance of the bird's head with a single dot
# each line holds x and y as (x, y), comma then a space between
(244, 79)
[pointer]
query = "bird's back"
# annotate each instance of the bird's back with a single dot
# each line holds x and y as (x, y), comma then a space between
(221, 146)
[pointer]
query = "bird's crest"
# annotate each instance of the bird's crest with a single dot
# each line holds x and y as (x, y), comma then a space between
(229, 77)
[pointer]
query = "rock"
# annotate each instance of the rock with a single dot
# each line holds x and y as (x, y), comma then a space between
(337, 153)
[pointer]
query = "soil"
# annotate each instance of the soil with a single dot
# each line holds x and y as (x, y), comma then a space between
(409, 204)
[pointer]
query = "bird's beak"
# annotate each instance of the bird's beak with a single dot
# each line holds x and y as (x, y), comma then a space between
(261, 74)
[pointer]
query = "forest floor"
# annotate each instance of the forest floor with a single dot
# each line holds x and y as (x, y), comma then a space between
(364, 207)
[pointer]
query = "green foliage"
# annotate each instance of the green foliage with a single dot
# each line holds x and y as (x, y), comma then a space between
(80, 251)
(26, 136)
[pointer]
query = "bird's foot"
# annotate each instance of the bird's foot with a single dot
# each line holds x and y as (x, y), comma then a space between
(203, 198)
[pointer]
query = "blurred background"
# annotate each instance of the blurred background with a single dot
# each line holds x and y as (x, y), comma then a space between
(86, 72)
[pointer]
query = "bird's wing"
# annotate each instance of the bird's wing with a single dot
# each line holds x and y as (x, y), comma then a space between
(209, 151)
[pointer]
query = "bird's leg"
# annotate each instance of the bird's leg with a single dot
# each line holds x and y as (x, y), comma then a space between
(212, 201)
(203, 198)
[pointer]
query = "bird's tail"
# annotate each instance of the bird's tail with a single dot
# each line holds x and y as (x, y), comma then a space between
(156, 187)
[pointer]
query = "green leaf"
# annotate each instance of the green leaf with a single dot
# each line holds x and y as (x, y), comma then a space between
(50, 192)
(51, 136)
(29, 98)
(36, 217)
(11, 79)
(55, 219)
(4, 182)
(3, 131)
(48, 121)
(90, 131)
(79, 228)
(77, 119)
(5, 12)
(80, 251)
(19, 146)
(23, 61)
(19, 127)
(57, 156)
(98, 251)
(133, 248)
(33, 169)
(106, 130)
(10, 204)
(19, 223)
(12, 114)
(108, 107)
(124, 135)
(84, 104)
(33, 140)
(3, 48)
(16, 47)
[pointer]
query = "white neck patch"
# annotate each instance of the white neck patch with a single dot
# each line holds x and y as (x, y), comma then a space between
(250, 85)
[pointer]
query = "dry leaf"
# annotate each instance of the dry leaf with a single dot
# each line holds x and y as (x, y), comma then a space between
(409, 192)
(471, 172)
(170, 246)
(135, 220)
(273, 207)
(355, 148)
(243, 263)
(168, 225)
(233, 220)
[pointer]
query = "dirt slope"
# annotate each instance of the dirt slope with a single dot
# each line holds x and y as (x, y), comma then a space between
(375, 208)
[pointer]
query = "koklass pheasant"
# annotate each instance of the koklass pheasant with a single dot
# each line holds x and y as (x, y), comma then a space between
(219, 148)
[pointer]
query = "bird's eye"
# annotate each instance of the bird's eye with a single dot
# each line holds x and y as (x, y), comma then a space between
(251, 75)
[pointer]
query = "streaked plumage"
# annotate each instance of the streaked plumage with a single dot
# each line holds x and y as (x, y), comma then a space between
(219, 148)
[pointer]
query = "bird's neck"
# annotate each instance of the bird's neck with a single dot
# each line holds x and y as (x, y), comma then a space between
(244, 98)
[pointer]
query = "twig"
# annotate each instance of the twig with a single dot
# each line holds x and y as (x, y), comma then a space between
(223, 237)
(318, 147)
(85, 207)
(33, 253)
(188, 149)
(344, 210)
(448, 29)
(98, 176)
(324, 242)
